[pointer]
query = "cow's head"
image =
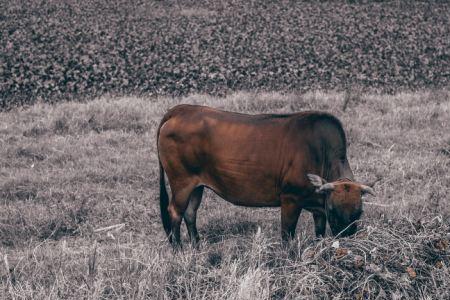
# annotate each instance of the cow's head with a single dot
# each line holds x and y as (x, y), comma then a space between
(343, 202)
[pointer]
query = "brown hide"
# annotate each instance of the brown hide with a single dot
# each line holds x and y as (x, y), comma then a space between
(250, 160)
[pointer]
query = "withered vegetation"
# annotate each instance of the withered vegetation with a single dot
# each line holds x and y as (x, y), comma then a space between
(69, 171)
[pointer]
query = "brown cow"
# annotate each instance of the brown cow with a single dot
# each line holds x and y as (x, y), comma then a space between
(262, 160)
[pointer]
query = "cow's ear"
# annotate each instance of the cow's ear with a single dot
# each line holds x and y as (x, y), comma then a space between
(321, 185)
(367, 190)
(316, 181)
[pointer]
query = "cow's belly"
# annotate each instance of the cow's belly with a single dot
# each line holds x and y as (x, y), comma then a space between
(241, 188)
(244, 199)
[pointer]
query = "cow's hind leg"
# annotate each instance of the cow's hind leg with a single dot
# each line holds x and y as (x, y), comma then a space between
(177, 208)
(190, 215)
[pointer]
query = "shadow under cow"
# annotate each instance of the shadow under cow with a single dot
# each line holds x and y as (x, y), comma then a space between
(218, 229)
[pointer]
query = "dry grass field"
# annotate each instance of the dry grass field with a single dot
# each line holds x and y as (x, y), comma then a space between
(70, 170)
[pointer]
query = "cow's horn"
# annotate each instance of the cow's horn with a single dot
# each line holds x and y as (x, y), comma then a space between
(367, 190)
(327, 187)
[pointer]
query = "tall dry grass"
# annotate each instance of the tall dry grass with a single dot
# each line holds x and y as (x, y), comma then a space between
(69, 171)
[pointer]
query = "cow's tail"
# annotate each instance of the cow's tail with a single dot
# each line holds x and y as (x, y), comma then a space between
(163, 196)
(164, 201)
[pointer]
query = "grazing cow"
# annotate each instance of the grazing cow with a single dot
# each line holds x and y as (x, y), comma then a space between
(265, 160)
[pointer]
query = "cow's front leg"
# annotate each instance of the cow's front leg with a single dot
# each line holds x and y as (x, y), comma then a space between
(320, 222)
(290, 211)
